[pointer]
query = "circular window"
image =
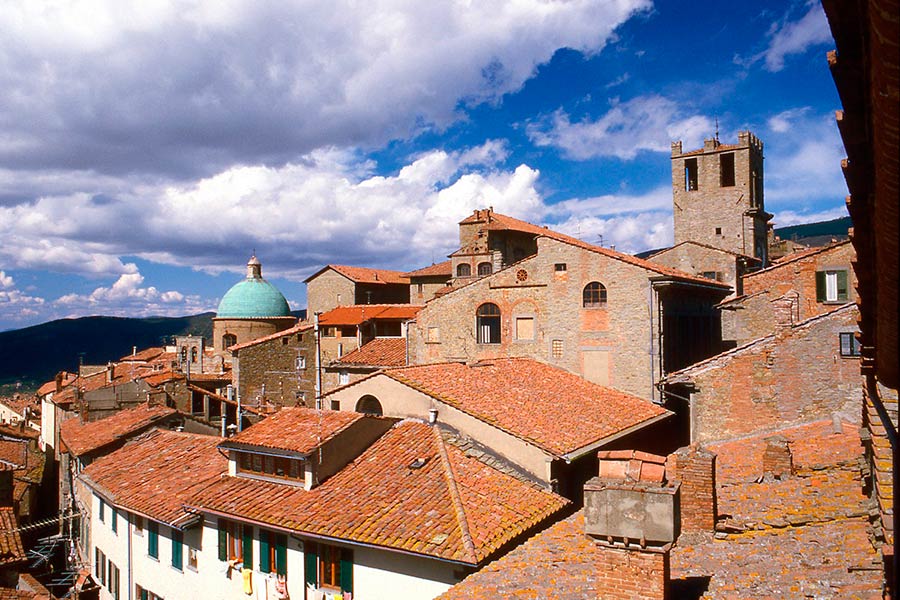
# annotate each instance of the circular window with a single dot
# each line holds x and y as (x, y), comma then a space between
(521, 275)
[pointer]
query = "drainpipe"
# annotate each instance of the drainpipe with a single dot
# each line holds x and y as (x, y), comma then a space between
(130, 567)
(316, 333)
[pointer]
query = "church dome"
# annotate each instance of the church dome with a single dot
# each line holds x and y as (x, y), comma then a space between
(253, 298)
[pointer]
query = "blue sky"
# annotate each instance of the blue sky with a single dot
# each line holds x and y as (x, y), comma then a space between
(146, 151)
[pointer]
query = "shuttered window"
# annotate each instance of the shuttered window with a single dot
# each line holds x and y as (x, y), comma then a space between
(153, 539)
(832, 286)
(177, 549)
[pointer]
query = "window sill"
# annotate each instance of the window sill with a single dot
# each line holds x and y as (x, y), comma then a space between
(833, 302)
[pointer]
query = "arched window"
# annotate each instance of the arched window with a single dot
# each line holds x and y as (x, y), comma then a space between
(184, 354)
(229, 339)
(369, 405)
(485, 268)
(487, 324)
(594, 295)
(194, 355)
(463, 270)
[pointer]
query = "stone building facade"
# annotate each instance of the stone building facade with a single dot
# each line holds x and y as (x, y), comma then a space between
(814, 280)
(609, 317)
(278, 369)
(424, 283)
(717, 193)
(709, 262)
(342, 285)
(803, 372)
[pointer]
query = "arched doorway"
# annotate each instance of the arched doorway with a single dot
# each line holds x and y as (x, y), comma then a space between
(369, 405)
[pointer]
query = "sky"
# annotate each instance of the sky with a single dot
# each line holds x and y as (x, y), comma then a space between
(148, 149)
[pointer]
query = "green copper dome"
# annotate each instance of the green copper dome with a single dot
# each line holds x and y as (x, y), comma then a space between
(253, 298)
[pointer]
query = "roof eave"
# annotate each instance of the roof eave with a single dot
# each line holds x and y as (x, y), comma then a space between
(570, 456)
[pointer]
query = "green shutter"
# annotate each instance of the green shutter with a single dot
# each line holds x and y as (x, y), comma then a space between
(264, 565)
(820, 286)
(177, 548)
(346, 569)
(102, 509)
(114, 519)
(311, 575)
(153, 539)
(842, 285)
(281, 554)
(223, 540)
(247, 542)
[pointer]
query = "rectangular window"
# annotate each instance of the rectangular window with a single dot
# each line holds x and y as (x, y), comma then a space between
(153, 539)
(198, 403)
(301, 363)
(284, 341)
(138, 523)
(192, 558)
(557, 348)
(726, 170)
(718, 231)
(524, 328)
(340, 350)
(142, 594)
(113, 520)
(328, 566)
(420, 288)
(831, 286)
(177, 549)
(235, 542)
(344, 378)
(849, 344)
(691, 175)
(348, 331)
(101, 510)
(114, 580)
(714, 275)
(560, 267)
(329, 331)
(434, 335)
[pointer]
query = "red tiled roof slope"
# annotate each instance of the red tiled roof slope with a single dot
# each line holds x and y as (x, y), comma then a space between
(11, 549)
(367, 275)
(82, 438)
(298, 328)
(14, 452)
(356, 314)
(379, 499)
(145, 355)
(380, 352)
(157, 473)
(553, 409)
(296, 429)
(440, 269)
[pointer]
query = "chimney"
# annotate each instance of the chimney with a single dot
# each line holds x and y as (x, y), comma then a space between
(694, 467)
(109, 372)
(632, 514)
(59, 380)
(778, 461)
(783, 309)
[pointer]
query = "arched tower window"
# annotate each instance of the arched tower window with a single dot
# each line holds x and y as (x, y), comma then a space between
(229, 339)
(463, 270)
(487, 324)
(193, 354)
(369, 405)
(594, 295)
(485, 268)
(184, 354)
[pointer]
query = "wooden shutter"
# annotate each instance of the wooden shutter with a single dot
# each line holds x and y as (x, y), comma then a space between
(153, 539)
(247, 546)
(820, 286)
(264, 564)
(177, 549)
(347, 570)
(223, 540)
(842, 285)
(310, 560)
(281, 554)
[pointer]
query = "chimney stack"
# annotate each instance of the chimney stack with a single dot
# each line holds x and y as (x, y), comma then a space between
(694, 467)
(632, 514)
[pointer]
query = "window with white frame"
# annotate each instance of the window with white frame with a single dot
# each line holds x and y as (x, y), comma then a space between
(831, 285)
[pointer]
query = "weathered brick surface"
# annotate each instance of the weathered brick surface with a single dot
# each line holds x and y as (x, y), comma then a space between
(795, 377)
(695, 468)
(631, 574)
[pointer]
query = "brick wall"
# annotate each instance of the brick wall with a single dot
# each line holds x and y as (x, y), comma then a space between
(695, 468)
(631, 574)
(796, 377)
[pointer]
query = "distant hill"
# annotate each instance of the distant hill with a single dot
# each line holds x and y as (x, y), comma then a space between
(35, 354)
(835, 227)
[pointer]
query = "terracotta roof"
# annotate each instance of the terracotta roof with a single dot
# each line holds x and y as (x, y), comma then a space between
(523, 398)
(357, 314)
(158, 378)
(364, 275)
(144, 355)
(295, 429)
(82, 438)
(298, 328)
(380, 352)
(14, 452)
(155, 474)
(451, 507)
(441, 269)
(801, 543)
(11, 594)
(11, 549)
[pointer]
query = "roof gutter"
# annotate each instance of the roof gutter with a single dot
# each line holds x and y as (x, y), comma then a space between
(570, 456)
(324, 538)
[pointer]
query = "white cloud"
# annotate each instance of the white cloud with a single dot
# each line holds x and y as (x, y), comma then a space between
(187, 88)
(783, 121)
(786, 218)
(16, 305)
(795, 37)
(645, 123)
(6, 281)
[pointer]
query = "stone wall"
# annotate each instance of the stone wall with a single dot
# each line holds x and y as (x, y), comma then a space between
(281, 370)
(700, 260)
(328, 290)
(247, 330)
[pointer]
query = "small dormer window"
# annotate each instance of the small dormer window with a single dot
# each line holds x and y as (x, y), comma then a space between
(265, 465)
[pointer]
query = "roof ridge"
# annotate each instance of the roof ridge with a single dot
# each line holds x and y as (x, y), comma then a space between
(803, 254)
(458, 508)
